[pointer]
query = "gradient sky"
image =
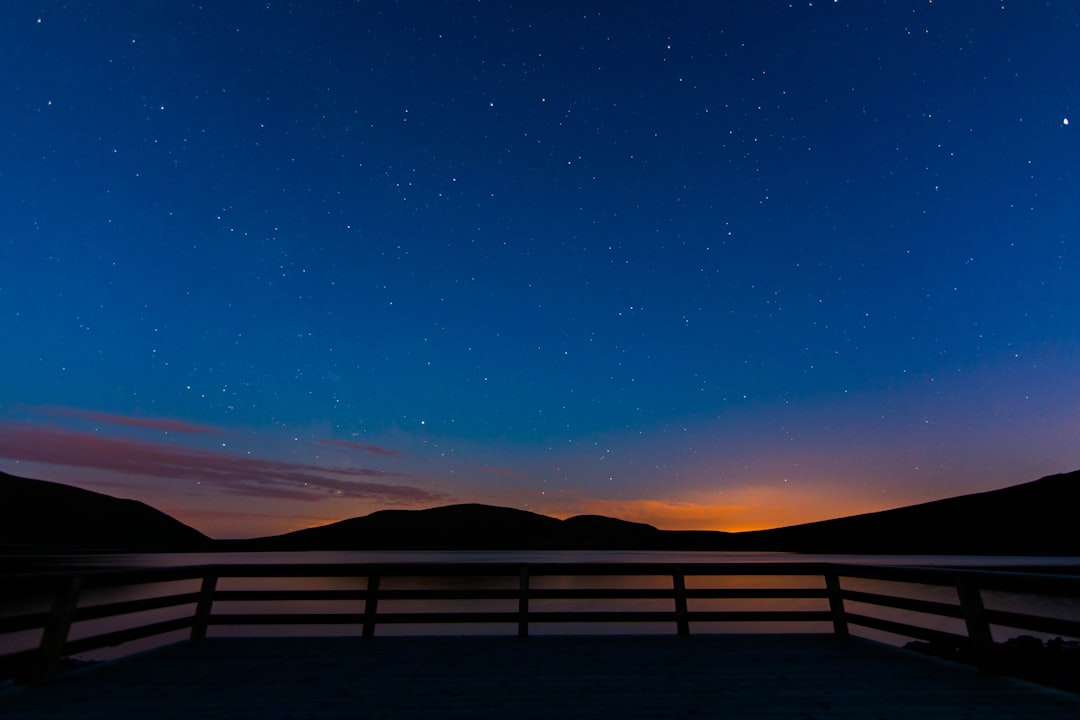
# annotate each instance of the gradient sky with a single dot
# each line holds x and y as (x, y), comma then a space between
(714, 265)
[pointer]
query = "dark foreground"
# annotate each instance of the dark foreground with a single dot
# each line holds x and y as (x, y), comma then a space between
(745, 676)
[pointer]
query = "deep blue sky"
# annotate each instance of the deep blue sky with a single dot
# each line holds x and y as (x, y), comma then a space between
(703, 264)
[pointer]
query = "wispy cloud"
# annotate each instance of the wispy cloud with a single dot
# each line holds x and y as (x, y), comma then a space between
(235, 474)
(176, 426)
(374, 449)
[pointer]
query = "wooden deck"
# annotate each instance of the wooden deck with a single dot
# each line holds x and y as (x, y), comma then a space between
(731, 676)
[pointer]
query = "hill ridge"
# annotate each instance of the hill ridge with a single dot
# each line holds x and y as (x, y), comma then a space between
(43, 515)
(1033, 518)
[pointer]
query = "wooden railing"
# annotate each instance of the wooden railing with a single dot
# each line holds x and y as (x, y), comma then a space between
(684, 597)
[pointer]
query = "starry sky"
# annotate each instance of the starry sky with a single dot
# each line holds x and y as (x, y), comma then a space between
(714, 265)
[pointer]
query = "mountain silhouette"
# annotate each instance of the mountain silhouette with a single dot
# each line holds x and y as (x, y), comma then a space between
(468, 527)
(39, 515)
(1035, 518)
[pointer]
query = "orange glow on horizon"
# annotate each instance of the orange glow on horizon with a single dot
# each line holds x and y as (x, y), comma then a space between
(752, 508)
(741, 510)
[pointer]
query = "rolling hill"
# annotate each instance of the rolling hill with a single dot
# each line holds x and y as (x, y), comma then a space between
(468, 527)
(37, 515)
(1035, 518)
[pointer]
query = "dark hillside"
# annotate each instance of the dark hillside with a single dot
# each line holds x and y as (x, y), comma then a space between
(467, 527)
(38, 515)
(1036, 518)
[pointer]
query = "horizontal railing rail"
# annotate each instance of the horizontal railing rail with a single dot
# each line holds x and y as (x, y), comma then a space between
(970, 585)
(379, 595)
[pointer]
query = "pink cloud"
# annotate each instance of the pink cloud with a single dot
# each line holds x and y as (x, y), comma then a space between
(235, 474)
(374, 449)
(177, 426)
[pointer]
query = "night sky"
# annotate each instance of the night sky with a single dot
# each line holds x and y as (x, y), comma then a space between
(717, 265)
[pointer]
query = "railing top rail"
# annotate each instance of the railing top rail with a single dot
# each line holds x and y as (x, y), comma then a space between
(96, 576)
(1048, 582)
(102, 577)
(987, 579)
(535, 569)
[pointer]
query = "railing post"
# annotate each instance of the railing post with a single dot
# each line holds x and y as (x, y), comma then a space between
(682, 615)
(371, 605)
(523, 602)
(54, 636)
(978, 629)
(202, 610)
(836, 604)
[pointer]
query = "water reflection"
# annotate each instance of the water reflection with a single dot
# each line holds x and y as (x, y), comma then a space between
(37, 563)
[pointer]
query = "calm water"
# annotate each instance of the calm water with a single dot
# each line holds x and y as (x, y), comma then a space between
(144, 560)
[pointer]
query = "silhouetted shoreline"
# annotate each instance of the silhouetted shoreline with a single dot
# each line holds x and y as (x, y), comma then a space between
(1035, 518)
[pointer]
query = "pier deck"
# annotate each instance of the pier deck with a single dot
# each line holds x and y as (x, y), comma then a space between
(733, 676)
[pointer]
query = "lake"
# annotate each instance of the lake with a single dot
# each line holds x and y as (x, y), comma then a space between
(145, 560)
